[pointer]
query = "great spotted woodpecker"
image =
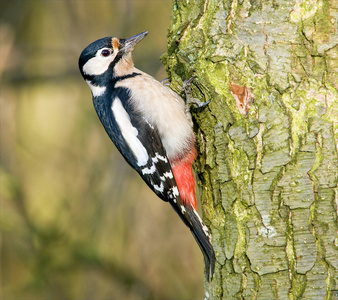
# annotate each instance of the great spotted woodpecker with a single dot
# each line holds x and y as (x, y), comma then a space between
(151, 127)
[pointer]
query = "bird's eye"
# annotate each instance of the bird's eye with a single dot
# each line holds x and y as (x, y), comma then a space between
(105, 52)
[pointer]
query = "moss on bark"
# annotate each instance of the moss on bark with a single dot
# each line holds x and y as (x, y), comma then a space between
(268, 177)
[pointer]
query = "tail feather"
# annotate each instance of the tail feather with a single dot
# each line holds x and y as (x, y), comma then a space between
(203, 238)
(201, 234)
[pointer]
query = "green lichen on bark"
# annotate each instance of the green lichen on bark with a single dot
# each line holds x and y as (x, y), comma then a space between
(269, 178)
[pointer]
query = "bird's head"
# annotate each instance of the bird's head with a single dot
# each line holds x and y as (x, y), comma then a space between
(108, 57)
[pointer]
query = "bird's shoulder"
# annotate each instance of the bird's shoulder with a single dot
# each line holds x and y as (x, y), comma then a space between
(146, 85)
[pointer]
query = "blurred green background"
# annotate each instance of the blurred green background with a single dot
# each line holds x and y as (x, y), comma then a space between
(77, 222)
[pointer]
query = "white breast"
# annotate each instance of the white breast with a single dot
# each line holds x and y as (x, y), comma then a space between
(163, 108)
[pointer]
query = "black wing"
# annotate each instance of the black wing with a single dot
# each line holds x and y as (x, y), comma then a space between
(140, 144)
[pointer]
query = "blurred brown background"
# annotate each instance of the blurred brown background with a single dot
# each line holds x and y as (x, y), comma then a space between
(77, 222)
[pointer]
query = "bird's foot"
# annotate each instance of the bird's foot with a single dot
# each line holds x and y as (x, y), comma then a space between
(188, 94)
(165, 81)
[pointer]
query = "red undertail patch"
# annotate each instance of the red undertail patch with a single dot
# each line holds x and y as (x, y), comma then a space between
(185, 179)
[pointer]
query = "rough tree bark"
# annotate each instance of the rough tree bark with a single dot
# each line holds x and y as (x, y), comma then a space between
(267, 169)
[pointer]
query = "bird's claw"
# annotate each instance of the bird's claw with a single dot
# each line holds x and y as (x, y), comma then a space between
(165, 81)
(187, 83)
(188, 94)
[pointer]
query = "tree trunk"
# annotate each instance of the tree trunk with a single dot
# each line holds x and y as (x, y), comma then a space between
(267, 141)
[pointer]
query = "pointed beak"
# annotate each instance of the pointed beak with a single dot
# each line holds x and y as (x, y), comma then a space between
(129, 44)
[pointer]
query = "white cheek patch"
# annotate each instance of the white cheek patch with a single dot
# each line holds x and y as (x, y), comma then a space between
(129, 132)
(97, 90)
(98, 64)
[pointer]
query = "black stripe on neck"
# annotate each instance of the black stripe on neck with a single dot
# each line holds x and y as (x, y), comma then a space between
(120, 78)
(104, 80)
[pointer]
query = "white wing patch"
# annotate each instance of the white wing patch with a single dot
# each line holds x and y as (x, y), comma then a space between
(159, 188)
(150, 170)
(158, 156)
(169, 175)
(163, 158)
(96, 89)
(129, 132)
(175, 191)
